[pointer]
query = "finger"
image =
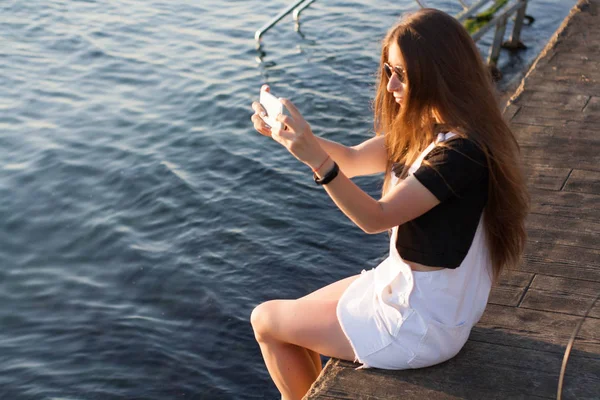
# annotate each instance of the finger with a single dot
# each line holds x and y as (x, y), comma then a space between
(266, 88)
(275, 135)
(286, 120)
(257, 120)
(285, 136)
(291, 108)
(260, 125)
(258, 108)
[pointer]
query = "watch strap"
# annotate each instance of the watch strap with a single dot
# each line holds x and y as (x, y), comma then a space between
(329, 176)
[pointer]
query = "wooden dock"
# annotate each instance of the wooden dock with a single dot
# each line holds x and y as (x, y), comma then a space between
(517, 348)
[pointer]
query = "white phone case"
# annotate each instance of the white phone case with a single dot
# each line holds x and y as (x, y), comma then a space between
(273, 108)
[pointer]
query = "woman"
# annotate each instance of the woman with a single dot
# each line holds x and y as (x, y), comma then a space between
(454, 199)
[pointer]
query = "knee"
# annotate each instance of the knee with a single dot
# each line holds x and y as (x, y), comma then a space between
(263, 320)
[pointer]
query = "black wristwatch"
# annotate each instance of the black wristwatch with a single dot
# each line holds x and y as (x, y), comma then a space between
(328, 176)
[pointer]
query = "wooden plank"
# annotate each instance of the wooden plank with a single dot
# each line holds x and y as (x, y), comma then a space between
(574, 130)
(579, 43)
(546, 177)
(567, 303)
(563, 161)
(539, 330)
(480, 371)
(572, 102)
(534, 154)
(510, 288)
(565, 285)
(592, 106)
(515, 279)
(506, 295)
(529, 118)
(570, 270)
(559, 260)
(581, 61)
(510, 111)
(546, 85)
(550, 138)
(531, 132)
(568, 142)
(573, 133)
(577, 129)
(584, 182)
(589, 335)
(565, 295)
(562, 230)
(566, 204)
(550, 115)
(570, 74)
(563, 153)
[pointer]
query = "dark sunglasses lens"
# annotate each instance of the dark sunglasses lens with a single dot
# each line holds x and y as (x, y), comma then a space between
(400, 74)
(387, 70)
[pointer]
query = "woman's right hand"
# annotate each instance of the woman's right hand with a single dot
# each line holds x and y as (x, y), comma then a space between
(256, 118)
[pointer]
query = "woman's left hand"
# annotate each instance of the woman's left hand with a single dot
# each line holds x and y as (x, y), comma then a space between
(297, 137)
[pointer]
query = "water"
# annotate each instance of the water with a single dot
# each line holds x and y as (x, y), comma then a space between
(141, 217)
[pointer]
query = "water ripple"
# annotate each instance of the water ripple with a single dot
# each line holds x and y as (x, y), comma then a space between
(141, 216)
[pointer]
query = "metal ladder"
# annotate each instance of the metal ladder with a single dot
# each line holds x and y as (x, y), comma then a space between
(296, 7)
(496, 14)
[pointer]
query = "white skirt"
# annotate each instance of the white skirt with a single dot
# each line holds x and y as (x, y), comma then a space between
(396, 318)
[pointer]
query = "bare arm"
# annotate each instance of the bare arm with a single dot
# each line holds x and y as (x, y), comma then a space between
(371, 156)
(404, 202)
(344, 156)
(366, 158)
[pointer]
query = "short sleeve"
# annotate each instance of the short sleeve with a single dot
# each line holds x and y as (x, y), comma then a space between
(452, 168)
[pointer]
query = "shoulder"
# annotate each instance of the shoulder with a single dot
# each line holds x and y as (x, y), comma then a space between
(453, 167)
(458, 148)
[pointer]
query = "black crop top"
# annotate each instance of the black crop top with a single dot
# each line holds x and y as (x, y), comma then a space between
(458, 177)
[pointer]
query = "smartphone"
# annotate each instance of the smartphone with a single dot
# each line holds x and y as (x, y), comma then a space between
(272, 107)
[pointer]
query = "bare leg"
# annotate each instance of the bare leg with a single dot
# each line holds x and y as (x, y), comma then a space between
(316, 358)
(292, 334)
(332, 291)
(290, 367)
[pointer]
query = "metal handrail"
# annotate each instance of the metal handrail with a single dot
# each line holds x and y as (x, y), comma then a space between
(499, 21)
(299, 9)
(258, 34)
(462, 16)
(469, 11)
(502, 18)
(464, 5)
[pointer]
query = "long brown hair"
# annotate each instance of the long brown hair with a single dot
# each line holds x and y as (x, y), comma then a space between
(445, 74)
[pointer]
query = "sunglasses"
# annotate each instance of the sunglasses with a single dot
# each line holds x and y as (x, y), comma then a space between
(389, 71)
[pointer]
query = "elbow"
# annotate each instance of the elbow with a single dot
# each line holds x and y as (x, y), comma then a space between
(366, 229)
(376, 224)
(372, 230)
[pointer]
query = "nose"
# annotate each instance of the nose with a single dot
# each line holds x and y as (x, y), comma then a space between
(394, 84)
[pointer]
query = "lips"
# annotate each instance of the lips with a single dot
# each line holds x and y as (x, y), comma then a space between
(398, 99)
